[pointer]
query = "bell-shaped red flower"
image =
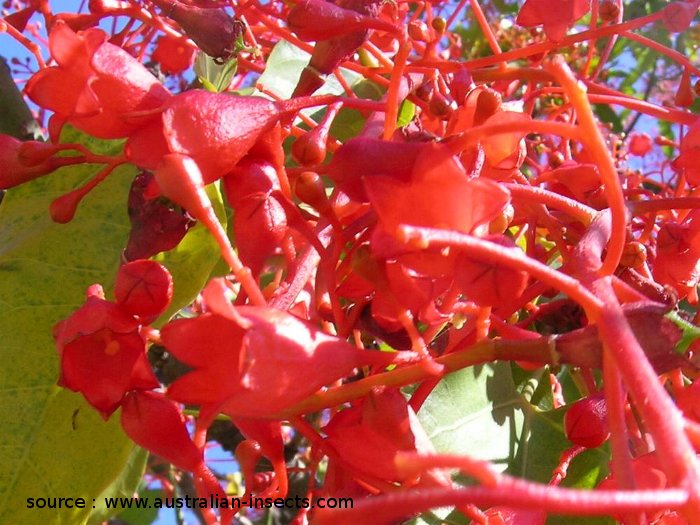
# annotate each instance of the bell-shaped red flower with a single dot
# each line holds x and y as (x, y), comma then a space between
(495, 156)
(256, 361)
(555, 17)
(103, 353)
(677, 262)
(156, 423)
(486, 283)
(96, 85)
(216, 130)
(369, 436)
(360, 157)
(678, 16)
(438, 195)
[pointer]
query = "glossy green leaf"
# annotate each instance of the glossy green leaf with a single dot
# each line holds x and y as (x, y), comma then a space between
(214, 76)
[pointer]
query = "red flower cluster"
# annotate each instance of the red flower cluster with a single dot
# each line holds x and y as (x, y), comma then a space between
(470, 213)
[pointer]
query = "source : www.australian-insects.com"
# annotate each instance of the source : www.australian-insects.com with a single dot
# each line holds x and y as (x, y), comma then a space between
(188, 502)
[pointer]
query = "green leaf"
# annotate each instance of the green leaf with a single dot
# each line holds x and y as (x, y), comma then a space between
(406, 113)
(284, 67)
(608, 115)
(539, 450)
(214, 76)
(476, 412)
(52, 443)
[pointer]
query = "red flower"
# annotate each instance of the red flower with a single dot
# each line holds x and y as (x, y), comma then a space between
(640, 144)
(690, 149)
(256, 361)
(261, 222)
(369, 436)
(103, 353)
(438, 195)
(679, 15)
(677, 260)
(579, 181)
(489, 284)
(173, 54)
(217, 130)
(95, 85)
(504, 152)
(363, 157)
(556, 17)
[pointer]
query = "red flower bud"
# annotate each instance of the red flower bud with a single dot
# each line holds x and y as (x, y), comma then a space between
(640, 144)
(25, 161)
(309, 188)
(586, 422)
(316, 20)
(143, 288)
(609, 10)
(310, 148)
(173, 54)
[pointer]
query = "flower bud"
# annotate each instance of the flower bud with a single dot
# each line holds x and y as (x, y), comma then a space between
(586, 422)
